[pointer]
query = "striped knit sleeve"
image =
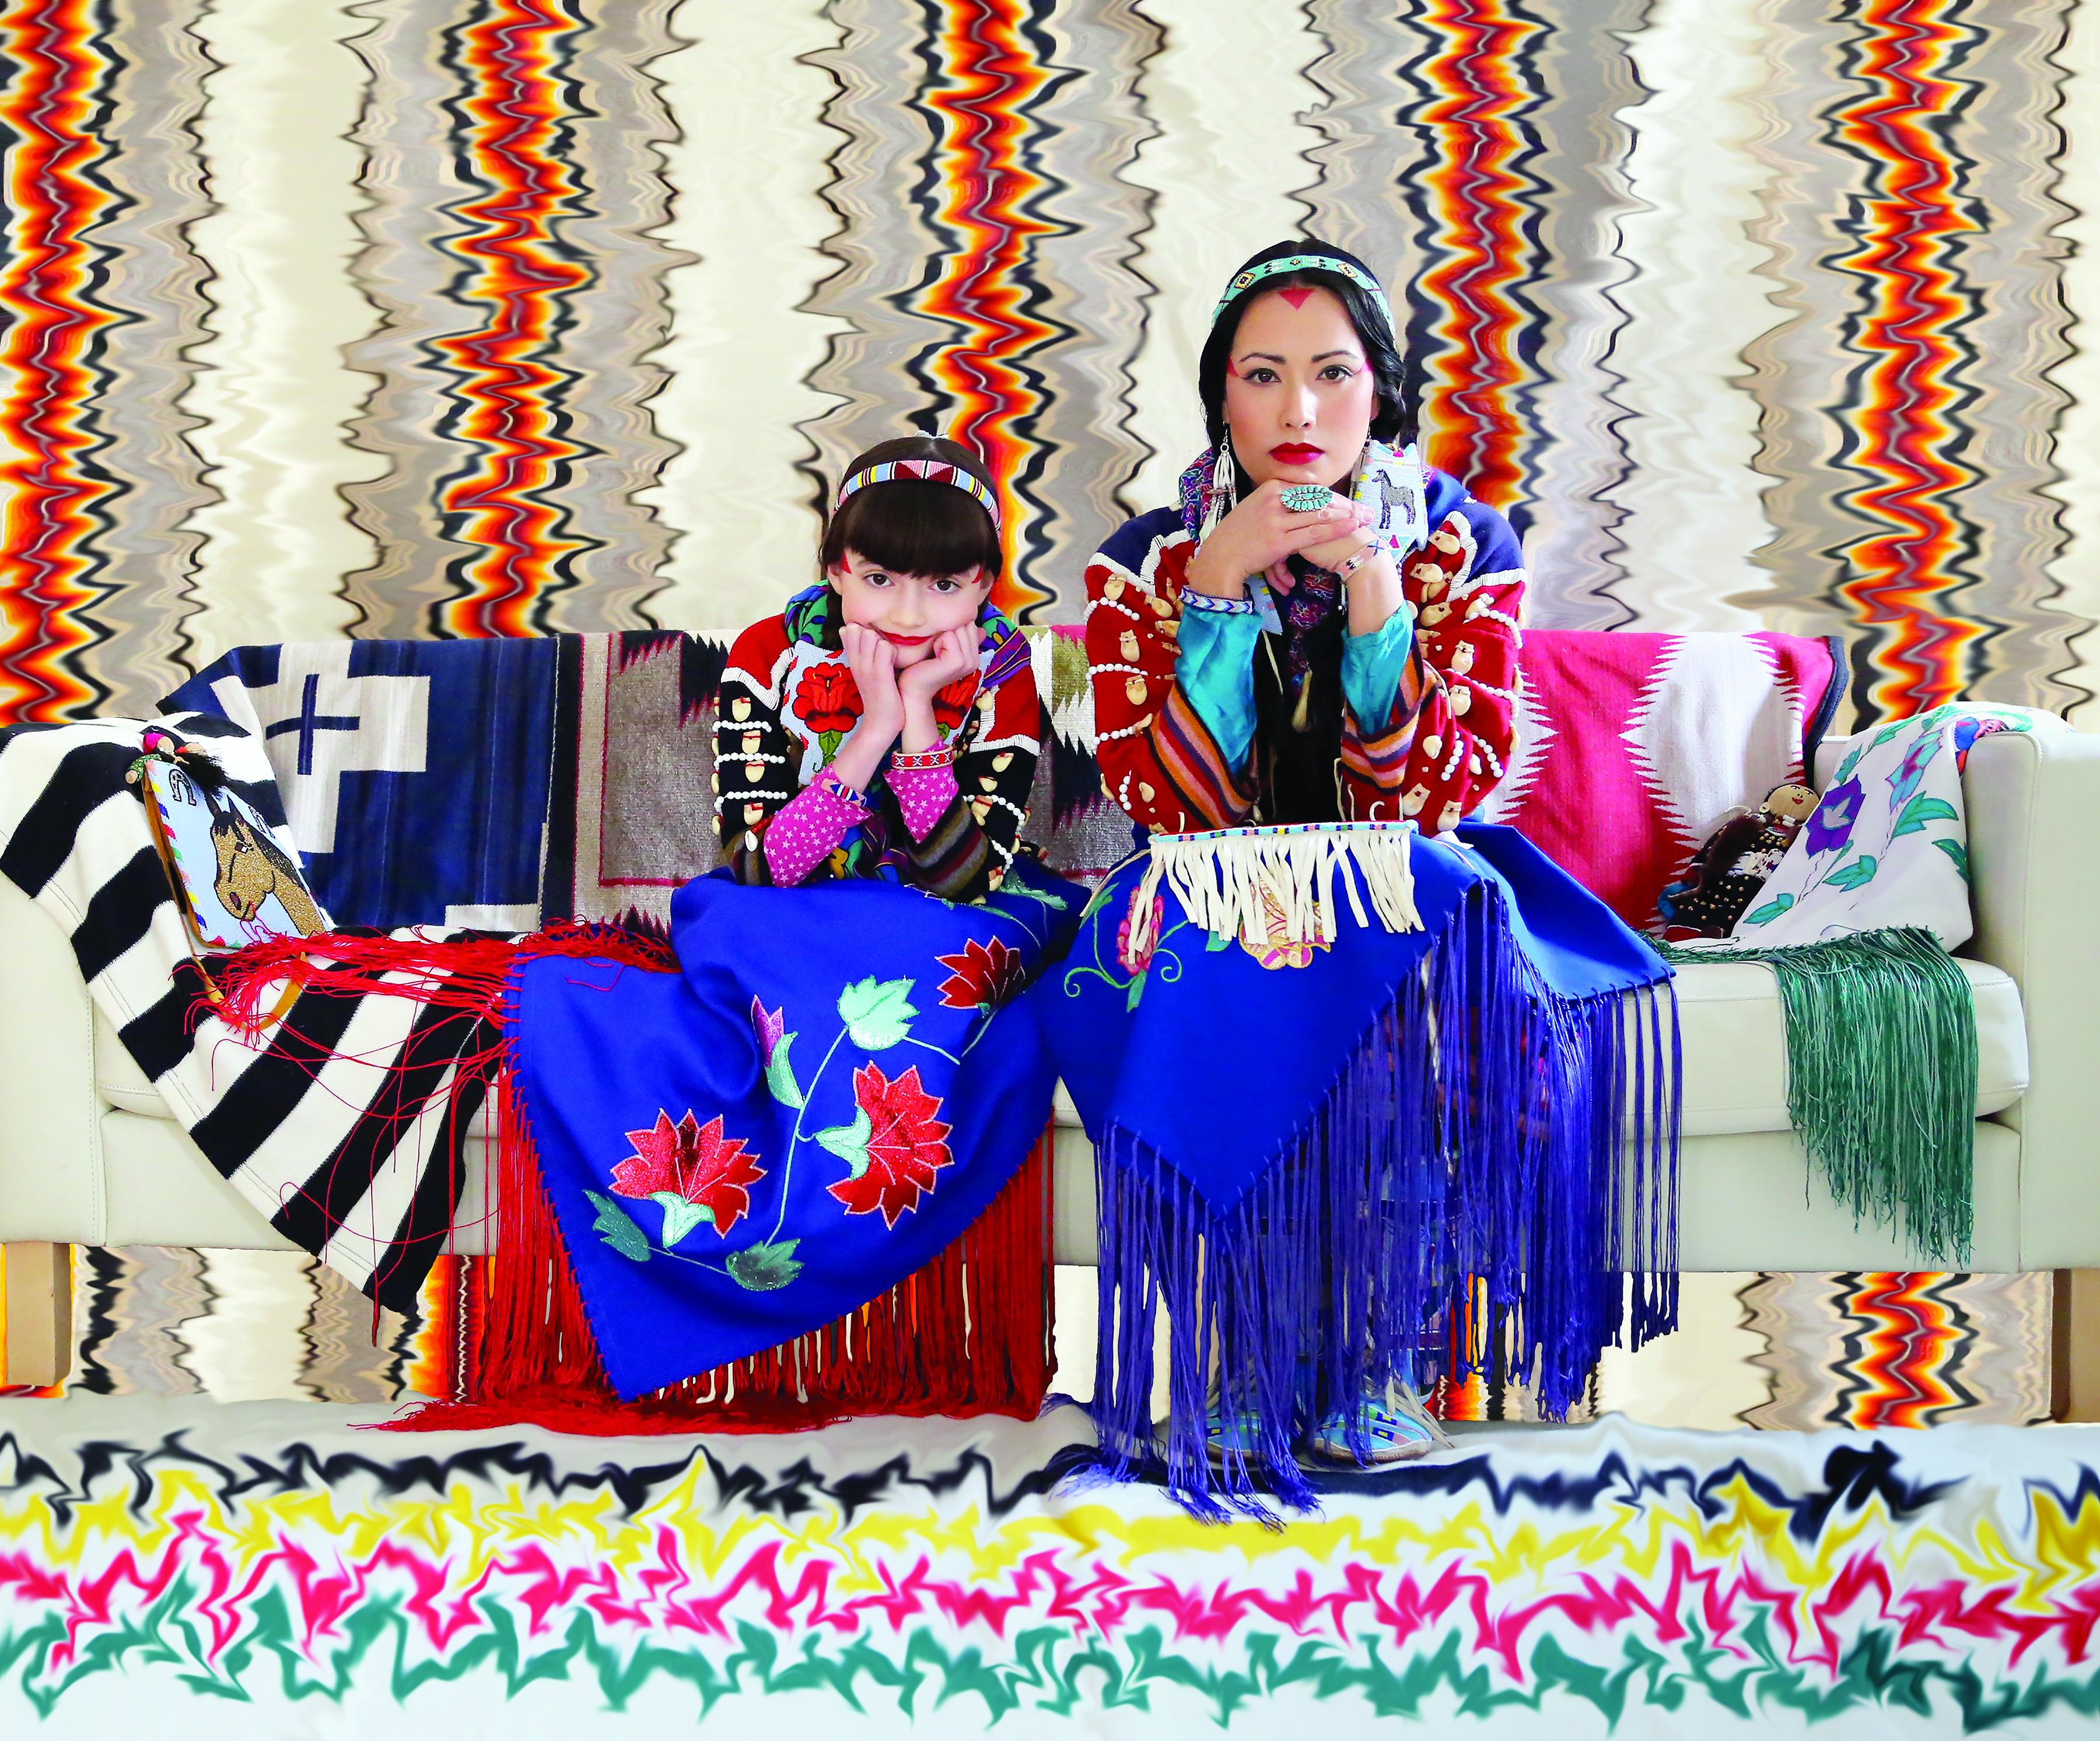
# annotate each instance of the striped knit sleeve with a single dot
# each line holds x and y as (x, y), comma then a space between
(1158, 759)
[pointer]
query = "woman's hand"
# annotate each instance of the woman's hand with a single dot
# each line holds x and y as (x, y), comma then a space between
(1260, 532)
(952, 657)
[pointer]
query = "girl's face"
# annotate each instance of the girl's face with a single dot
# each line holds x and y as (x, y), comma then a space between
(1300, 396)
(907, 611)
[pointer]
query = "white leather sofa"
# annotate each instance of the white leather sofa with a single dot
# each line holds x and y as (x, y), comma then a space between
(89, 1155)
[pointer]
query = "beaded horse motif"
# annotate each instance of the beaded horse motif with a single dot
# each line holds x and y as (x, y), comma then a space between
(252, 868)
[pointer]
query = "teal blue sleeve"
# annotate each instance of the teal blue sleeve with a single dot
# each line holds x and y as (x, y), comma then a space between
(1372, 667)
(1216, 671)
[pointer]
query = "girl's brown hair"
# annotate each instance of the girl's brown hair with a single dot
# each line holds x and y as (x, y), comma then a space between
(910, 526)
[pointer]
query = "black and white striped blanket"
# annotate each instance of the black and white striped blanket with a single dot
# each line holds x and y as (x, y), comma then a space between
(347, 1124)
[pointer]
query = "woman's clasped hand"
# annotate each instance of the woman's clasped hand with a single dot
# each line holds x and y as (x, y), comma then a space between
(1260, 533)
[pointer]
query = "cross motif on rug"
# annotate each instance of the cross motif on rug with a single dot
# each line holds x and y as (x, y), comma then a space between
(305, 722)
(321, 723)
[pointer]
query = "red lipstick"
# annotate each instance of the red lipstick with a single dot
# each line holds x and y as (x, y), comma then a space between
(904, 640)
(1296, 453)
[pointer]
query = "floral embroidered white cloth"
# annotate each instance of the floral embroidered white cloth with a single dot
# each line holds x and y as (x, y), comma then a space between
(1888, 846)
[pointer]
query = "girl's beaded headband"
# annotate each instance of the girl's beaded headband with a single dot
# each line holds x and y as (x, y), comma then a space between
(1306, 263)
(927, 471)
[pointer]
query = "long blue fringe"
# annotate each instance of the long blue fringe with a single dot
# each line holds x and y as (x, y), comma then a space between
(1493, 1155)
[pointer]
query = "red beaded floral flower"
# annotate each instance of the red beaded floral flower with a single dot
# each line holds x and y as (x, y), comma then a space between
(951, 703)
(904, 1145)
(985, 975)
(827, 698)
(692, 1162)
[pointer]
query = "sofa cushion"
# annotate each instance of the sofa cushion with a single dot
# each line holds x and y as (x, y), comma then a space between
(1735, 1045)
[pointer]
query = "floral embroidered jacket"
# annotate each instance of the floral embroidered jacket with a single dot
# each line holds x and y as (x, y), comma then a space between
(1441, 750)
(788, 699)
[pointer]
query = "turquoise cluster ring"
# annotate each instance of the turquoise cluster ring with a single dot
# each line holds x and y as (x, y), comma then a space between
(1308, 498)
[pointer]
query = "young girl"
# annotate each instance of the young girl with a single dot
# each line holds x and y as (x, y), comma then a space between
(885, 724)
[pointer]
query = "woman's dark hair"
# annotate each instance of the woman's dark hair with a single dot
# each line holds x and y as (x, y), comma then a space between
(1393, 420)
(911, 526)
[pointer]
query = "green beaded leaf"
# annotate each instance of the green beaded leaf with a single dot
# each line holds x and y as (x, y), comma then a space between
(616, 1227)
(763, 1268)
(877, 1014)
(849, 1141)
(780, 1074)
(680, 1217)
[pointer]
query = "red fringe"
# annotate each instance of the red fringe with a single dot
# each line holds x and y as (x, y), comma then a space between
(970, 1333)
(471, 974)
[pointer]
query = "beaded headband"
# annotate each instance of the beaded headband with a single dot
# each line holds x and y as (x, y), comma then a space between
(1303, 263)
(927, 471)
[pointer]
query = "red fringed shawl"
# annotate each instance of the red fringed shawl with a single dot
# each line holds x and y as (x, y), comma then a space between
(967, 1334)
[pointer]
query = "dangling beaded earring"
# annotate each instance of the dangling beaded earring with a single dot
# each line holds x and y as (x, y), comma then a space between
(1224, 488)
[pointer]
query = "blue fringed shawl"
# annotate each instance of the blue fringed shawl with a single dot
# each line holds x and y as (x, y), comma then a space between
(1337, 1172)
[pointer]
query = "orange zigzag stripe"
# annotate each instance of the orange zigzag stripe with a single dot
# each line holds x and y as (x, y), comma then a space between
(1902, 434)
(1469, 415)
(514, 108)
(1896, 1379)
(988, 75)
(49, 110)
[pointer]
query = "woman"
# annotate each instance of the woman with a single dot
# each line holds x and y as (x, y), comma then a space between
(1231, 680)
(1343, 1154)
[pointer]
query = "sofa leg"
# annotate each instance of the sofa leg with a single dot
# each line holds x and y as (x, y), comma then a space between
(38, 1280)
(2074, 1345)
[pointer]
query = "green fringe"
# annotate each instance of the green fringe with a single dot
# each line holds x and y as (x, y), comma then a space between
(1881, 1056)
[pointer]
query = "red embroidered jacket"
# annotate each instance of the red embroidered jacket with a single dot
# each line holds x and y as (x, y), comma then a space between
(1452, 724)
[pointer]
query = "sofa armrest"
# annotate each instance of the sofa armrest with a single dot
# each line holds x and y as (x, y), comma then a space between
(51, 1148)
(2033, 801)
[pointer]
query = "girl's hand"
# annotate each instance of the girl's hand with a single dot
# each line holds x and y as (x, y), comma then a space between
(952, 657)
(873, 662)
(1260, 532)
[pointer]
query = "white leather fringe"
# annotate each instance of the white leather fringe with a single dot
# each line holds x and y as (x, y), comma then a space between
(1240, 882)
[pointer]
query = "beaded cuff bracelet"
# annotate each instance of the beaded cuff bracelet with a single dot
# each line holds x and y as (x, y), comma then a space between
(1196, 600)
(840, 789)
(941, 755)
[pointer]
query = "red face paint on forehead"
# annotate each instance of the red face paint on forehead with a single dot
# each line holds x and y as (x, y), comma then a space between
(1295, 298)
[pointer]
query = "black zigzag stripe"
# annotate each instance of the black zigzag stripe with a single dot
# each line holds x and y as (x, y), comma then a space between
(335, 1188)
(84, 779)
(159, 1039)
(121, 912)
(397, 1280)
(270, 1088)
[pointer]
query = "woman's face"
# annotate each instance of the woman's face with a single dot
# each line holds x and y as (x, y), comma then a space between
(1299, 397)
(907, 611)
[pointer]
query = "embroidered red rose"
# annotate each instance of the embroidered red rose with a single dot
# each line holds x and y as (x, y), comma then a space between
(694, 1164)
(951, 703)
(894, 1161)
(985, 975)
(827, 699)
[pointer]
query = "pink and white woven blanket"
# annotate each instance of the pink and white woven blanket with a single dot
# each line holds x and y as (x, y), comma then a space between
(1632, 747)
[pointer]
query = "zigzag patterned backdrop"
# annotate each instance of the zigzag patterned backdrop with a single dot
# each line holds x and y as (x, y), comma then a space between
(494, 317)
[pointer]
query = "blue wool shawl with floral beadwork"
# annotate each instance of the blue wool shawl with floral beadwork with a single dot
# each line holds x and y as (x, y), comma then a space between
(1346, 1160)
(833, 1086)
